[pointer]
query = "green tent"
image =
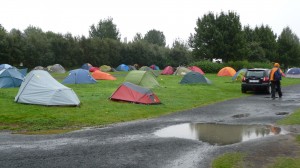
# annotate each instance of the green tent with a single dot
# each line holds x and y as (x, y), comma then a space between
(194, 78)
(145, 68)
(141, 78)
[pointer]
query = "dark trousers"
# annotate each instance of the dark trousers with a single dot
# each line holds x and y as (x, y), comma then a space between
(275, 85)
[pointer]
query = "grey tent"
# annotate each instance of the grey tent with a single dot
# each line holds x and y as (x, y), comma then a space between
(56, 68)
(39, 87)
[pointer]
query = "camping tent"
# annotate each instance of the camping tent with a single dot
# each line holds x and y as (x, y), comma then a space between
(226, 71)
(79, 76)
(39, 87)
(238, 76)
(10, 77)
(57, 68)
(167, 71)
(181, 71)
(105, 68)
(196, 69)
(145, 68)
(93, 69)
(98, 75)
(142, 78)
(38, 68)
(293, 73)
(133, 93)
(154, 67)
(5, 66)
(122, 67)
(86, 66)
(194, 78)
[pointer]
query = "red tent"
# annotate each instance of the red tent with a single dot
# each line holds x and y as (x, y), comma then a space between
(93, 69)
(133, 93)
(196, 69)
(168, 71)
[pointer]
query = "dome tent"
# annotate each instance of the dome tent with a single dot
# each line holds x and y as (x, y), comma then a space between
(226, 71)
(10, 77)
(168, 70)
(57, 68)
(98, 75)
(39, 87)
(194, 78)
(79, 76)
(182, 70)
(141, 78)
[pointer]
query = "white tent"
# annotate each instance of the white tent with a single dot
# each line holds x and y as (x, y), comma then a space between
(39, 87)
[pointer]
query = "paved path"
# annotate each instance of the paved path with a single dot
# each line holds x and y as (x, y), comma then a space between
(134, 144)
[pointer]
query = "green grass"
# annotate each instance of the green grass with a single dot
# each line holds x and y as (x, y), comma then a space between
(228, 160)
(97, 110)
(293, 119)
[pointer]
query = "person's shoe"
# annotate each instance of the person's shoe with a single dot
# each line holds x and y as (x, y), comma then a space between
(273, 98)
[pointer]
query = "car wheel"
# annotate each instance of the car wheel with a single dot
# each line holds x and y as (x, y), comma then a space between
(269, 90)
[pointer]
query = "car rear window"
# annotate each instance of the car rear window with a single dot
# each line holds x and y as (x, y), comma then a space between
(255, 73)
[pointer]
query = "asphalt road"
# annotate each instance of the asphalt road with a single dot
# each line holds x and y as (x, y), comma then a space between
(135, 144)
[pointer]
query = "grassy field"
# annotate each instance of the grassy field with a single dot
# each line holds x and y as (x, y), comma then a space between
(97, 110)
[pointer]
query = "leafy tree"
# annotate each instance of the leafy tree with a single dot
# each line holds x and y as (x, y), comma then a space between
(155, 37)
(205, 38)
(4, 56)
(16, 43)
(105, 29)
(218, 37)
(288, 48)
(179, 54)
(267, 40)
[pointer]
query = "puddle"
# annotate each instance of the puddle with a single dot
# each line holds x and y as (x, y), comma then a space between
(282, 113)
(219, 134)
(241, 115)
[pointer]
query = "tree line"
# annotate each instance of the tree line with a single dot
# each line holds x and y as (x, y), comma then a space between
(216, 36)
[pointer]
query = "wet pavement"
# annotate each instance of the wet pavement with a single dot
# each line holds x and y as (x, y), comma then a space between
(245, 124)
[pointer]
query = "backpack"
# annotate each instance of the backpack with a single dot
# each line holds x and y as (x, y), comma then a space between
(277, 75)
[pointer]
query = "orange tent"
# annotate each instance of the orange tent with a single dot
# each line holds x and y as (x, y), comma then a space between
(98, 75)
(226, 71)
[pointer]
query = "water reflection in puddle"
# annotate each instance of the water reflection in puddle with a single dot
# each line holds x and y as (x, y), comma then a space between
(219, 134)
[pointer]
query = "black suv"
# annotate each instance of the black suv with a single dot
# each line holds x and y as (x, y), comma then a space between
(256, 79)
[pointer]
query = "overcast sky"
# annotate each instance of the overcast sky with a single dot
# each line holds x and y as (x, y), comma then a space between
(175, 18)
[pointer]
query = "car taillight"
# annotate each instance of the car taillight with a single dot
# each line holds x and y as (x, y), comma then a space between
(244, 79)
(266, 79)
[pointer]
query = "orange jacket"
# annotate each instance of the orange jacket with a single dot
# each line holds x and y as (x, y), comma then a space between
(273, 70)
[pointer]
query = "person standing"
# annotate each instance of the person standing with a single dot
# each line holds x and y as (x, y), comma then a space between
(275, 77)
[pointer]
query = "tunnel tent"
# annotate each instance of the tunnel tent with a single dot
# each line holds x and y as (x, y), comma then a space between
(40, 88)
(142, 78)
(98, 75)
(130, 92)
(194, 78)
(10, 77)
(79, 76)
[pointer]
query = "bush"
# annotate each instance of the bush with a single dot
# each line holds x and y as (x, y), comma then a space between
(208, 66)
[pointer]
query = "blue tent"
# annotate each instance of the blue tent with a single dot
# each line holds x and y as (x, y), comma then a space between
(293, 73)
(23, 71)
(5, 66)
(86, 66)
(122, 67)
(10, 77)
(79, 76)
